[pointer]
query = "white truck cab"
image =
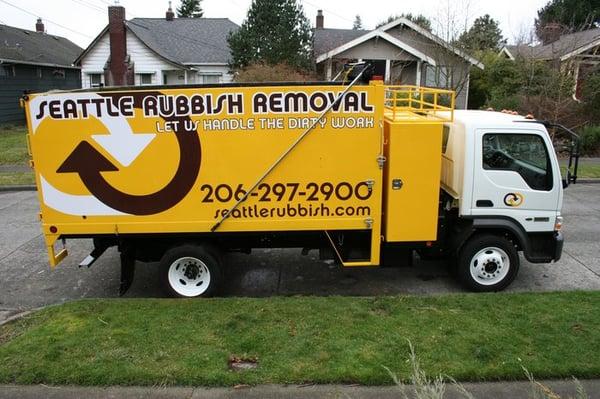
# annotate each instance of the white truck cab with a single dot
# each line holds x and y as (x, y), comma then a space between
(504, 179)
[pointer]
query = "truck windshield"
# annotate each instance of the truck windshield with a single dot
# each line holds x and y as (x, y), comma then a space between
(525, 154)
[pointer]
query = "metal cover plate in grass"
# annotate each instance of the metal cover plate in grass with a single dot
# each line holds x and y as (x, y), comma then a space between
(242, 363)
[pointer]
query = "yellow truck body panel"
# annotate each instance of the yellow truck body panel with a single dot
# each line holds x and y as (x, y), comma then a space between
(177, 160)
(238, 159)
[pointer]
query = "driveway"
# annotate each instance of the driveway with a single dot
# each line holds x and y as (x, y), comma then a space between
(27, 281)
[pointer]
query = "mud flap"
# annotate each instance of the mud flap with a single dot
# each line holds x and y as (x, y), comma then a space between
(127, 269)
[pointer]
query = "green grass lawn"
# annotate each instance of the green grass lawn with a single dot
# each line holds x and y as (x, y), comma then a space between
(13, 152)
(304, 339)
(587, 169)
(13, 145)
(16, 178)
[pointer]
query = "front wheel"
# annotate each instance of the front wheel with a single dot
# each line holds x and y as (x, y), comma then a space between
(189, 271)
(487, 263)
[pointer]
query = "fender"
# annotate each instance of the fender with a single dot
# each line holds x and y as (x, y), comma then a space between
(504, 223)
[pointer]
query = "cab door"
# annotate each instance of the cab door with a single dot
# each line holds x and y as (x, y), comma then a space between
(516, 175)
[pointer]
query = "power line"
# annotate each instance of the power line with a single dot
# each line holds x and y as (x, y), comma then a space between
(45, 19)
(87, 5)
(328, 11)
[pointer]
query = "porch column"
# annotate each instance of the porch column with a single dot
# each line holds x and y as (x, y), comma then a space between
(388, 71)
(328, 69)
(185, 76)
(418, 74)
(577, 88)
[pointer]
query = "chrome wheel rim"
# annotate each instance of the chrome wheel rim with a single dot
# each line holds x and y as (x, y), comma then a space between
(489, 266)
(189, 276)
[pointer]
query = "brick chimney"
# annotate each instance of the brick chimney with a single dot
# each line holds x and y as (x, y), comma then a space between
(320, 19)
(170, 14)
(551, 32)
(39, 26)
(118, 71)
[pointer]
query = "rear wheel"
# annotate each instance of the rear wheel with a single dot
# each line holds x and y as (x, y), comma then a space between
(190, 271)
(487, 263)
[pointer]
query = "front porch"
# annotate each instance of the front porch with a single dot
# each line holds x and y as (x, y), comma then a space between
(394, 72)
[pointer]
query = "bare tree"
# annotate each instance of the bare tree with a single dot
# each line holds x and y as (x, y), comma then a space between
(451, 69)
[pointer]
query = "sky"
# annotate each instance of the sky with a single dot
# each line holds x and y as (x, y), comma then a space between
(82, 20)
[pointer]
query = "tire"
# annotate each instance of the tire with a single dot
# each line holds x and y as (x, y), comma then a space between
(487, 263)
(190, 271)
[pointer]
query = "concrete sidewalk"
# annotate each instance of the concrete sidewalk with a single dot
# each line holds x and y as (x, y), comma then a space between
(497, 390)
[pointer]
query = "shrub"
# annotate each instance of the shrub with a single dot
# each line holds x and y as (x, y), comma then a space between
(261, 72)
(590, 140)
(590, 95)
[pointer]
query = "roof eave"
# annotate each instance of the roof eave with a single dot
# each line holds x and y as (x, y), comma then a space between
(370, 35)
(47, 64)
(90, 46)
(206, 63)
(432, 37)
(581, 49)
(506, 51)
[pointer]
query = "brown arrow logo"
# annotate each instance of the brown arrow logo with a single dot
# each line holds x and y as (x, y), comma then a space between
(88, 163)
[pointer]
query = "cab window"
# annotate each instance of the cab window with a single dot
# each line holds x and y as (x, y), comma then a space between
(525, 154)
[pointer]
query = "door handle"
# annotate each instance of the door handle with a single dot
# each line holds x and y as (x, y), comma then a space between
(397, 184)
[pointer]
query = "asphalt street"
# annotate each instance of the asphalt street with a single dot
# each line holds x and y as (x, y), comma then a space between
(27, 282)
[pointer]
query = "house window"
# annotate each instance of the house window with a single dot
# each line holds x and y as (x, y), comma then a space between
(211, 78)
(438, 76)
(145, 79)
(7, 70)
(59, 73)
(95, 79)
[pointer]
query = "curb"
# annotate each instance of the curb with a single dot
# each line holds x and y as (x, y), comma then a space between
(17, 316)
(28, 187)
(495, 389)
(588, 181)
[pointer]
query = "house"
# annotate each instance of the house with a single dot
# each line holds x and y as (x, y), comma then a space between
(400, 51)
(157, 51)
(578, 52)
(33, 61)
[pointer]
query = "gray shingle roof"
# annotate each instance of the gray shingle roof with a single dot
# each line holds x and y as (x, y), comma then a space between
(36, 47)
(565, 45)
(328, 39)
(186, 40)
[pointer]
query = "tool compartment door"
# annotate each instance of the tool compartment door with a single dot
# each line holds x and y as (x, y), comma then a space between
(412, 180)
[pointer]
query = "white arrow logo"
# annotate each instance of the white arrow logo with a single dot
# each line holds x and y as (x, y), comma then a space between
(122, 143)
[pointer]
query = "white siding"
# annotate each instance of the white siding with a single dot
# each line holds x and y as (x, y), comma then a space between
(146, 61)
(94, 61)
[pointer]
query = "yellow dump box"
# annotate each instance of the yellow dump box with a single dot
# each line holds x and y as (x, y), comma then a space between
(250, 163)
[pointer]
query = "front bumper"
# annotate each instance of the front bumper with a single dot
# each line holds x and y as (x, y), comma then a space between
(544, 247)
(558, 245)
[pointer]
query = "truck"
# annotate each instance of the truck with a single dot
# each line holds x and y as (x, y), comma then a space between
(366, 174)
